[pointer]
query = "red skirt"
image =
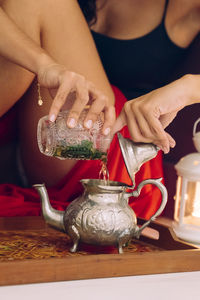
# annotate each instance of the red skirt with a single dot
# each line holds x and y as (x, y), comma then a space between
(18, 201)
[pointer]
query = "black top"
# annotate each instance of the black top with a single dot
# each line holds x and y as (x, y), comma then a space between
(137, 66)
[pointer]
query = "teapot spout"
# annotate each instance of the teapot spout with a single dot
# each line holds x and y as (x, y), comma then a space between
(52, 216)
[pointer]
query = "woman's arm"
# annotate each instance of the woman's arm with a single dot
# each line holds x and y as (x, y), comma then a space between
(147, 116)
(19, 48)
(16, 46)
(63, 32)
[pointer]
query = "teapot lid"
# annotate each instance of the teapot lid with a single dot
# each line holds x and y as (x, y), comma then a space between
(135, 154)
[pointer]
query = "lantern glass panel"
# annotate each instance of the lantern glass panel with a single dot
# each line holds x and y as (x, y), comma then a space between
(178, 198)
(190, 209)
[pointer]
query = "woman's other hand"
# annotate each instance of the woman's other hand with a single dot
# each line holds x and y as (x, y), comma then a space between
(147, 116)
(62, 82)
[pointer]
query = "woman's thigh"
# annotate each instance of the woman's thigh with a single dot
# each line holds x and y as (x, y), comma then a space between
(61, 29)
(15, 80)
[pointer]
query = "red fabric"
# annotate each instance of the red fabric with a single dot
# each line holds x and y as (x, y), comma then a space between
(17, 201)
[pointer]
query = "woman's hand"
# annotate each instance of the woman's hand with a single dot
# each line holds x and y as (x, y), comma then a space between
(55, 76)
(147, 116)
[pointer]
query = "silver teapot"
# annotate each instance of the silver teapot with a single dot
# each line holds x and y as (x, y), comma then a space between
(101, 215)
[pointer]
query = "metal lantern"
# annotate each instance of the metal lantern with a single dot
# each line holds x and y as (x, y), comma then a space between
(187, 200)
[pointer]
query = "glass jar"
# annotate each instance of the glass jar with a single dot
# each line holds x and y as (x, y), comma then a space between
(56, 139)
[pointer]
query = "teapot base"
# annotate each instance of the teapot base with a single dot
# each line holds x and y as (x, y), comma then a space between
(122, 240)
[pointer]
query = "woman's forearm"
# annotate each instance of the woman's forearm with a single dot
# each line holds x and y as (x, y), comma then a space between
(191, 88)
(69, 73)
(19, 48)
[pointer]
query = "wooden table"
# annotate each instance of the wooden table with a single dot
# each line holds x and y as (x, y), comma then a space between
(173, 286)
(176, 256)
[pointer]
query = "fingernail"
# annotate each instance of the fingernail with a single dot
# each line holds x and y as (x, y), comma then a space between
(71, 122)
(107, 131)
(88, 124)
(52, 118)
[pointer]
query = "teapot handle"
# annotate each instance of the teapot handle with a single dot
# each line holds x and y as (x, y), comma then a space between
(162, 188)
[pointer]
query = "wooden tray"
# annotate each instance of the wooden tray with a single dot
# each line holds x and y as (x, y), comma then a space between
(164, 255)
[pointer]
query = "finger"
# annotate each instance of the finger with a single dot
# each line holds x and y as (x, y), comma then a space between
(95, 94)
(144, 126)
(119, 123)
(100, 104)
(82, 98)
(158, 135)
(53, 92)
(59, 100)
(172, 142)
(130, 119)
(109, 119)
(134, 129)
(94, 111)
(141, 131)
(127, 117)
